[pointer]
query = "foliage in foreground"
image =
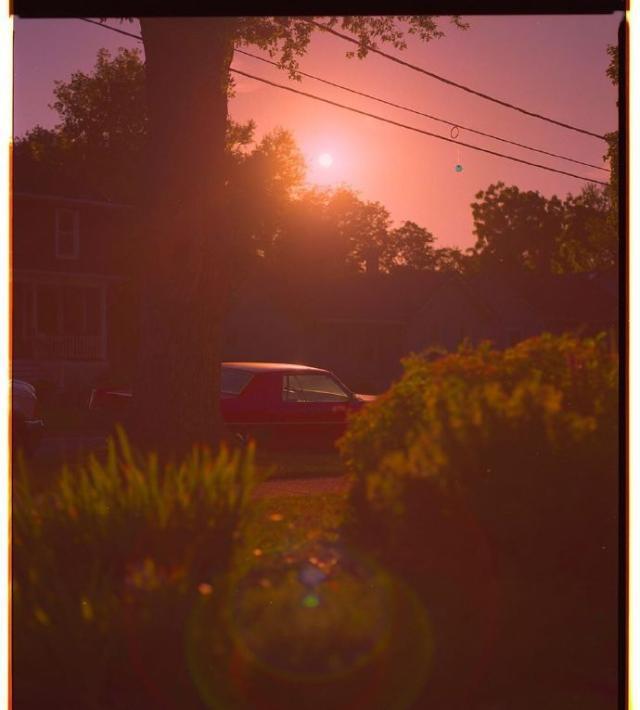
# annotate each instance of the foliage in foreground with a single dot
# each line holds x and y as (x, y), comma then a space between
(311, 622)
(109, 566)
(489, 481)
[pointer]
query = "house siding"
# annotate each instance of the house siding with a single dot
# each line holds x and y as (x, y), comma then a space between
(67, 324)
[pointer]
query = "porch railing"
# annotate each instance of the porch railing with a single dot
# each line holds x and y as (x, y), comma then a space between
(61, 347)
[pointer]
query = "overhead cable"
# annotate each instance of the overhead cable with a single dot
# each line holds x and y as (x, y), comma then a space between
(111, 27)
(439, 119)
(443, 79)
(413, 128)
(453, 124)
(376, 117)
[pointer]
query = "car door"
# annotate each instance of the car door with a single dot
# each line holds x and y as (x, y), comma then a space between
(316, 407)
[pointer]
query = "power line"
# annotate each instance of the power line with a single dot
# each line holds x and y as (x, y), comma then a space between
(379, 118)
(426, 115)
(110, 27)
(413, 128)
(468, 89)
(388, 103)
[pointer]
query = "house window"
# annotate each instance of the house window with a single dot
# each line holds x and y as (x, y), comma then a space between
(48, 310)
(67, 234)
(81, 310)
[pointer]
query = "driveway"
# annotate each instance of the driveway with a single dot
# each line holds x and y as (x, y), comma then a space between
(303, 486)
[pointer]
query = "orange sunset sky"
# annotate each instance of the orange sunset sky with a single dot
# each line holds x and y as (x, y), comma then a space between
(553, 65)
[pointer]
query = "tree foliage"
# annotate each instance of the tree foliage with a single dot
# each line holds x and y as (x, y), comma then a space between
(504, 463)
(99, 146)
(338, 232)
(515, 228)
(287, 38)
(590, 236)
(412, 246)
(186, 255)
(100, 141)
(525, 230)
(612, 154)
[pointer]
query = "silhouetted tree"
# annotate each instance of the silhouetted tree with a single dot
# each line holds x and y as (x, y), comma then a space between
(589, 239)
(187, 237)
(612, 154)
(452, 259)
(261, 189)
(337, 232)
(516, 229)
(312, 237)
(412, 248)
(524, 230)
(98, 147)
(365, 227)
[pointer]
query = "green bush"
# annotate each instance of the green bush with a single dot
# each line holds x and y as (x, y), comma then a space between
(108, 568)
(489, 479)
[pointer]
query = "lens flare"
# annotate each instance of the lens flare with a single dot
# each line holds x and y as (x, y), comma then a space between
(335, 621)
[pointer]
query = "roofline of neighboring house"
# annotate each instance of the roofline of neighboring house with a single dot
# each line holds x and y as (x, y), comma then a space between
(361, 321)
(73, 200)
(459, 279)
(482, 302)
(544, 310)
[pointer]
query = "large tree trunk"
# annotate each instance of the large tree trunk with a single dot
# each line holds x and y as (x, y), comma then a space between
(184, 257)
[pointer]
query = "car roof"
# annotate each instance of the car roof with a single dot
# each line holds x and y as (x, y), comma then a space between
(270, 367)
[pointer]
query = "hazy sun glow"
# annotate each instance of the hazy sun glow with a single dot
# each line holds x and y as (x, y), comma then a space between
(325, 160)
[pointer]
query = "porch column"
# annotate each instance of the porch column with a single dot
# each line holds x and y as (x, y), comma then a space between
(103, 322)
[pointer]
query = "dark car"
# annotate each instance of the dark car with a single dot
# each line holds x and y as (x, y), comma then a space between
(280, 406)
(26, 423)
(285, 406)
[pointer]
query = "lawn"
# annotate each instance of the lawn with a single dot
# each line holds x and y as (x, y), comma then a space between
(283, 529)
(315, 622)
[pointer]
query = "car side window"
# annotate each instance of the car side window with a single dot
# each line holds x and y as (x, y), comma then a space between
(234, 381)
(312, 388)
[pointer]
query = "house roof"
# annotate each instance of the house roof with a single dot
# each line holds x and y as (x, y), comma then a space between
(362, 298)
(397, 298)
(568, 297)
(71, 200)
(498, 294)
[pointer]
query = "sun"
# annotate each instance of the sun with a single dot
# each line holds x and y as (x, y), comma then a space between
(325, 160)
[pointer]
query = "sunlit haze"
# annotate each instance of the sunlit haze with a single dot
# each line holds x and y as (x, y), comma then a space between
(553, 65)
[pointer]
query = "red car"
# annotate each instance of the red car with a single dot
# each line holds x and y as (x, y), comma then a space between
(281, 406)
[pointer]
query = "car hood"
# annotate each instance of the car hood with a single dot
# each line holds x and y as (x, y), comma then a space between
(366, 398)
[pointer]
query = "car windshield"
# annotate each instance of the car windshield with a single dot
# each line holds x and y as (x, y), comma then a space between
(233, 381)
(313, 388)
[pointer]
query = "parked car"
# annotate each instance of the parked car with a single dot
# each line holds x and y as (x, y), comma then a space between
(280, 406)
(27, 425)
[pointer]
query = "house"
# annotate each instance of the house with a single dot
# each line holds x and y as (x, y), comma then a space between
(362, 325)
(357, 325)
(71, 288)
(74, 312)
(509, 307)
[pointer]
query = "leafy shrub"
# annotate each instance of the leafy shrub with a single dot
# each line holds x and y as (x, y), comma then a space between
(108, 567)
(489, 480)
